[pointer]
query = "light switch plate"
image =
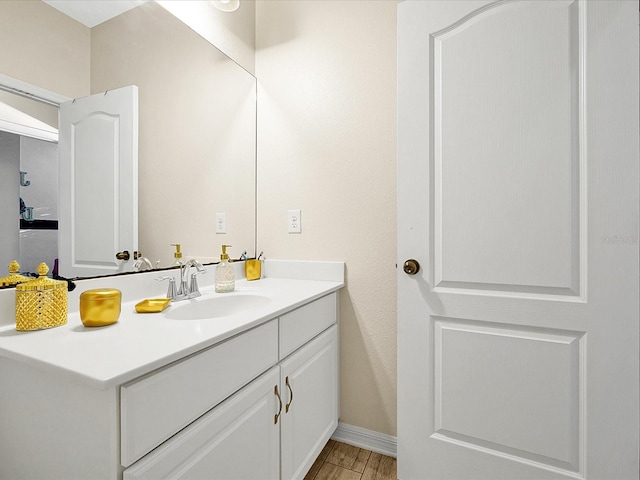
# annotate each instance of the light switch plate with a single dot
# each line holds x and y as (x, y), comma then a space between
(221, 223)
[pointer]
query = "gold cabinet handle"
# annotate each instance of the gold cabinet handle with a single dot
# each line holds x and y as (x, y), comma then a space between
(277, 415)
(286, 408)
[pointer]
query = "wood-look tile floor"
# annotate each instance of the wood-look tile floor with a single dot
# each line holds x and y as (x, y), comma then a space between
(339, 461)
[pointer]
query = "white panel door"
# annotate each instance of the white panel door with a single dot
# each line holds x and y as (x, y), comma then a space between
(518, 196)
(98, 195)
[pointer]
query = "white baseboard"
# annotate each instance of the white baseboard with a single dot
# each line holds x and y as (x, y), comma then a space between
(367, 439)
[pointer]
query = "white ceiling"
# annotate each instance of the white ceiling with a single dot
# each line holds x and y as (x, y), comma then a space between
(93, 12)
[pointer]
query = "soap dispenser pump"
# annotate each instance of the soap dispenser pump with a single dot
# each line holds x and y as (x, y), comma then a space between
(225, 276)
(177, 256)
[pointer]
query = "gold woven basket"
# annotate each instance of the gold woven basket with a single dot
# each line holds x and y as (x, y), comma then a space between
(41, 303)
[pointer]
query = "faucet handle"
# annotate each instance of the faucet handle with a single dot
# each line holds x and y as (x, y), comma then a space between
(194, 291)
(171, 291)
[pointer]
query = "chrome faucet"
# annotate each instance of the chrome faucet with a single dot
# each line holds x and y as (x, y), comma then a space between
(187, 289)
(190, 289)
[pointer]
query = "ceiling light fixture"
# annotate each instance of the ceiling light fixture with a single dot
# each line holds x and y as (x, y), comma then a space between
(226, 5)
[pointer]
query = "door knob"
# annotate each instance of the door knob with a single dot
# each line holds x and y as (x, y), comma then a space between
(123, 255)
(411, 267)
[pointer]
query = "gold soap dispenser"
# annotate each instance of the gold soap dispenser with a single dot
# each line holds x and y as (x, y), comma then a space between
(225, 276)
(177, 256)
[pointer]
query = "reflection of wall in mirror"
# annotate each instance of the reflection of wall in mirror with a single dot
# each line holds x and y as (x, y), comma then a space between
(39, 159)
(197, 132)
(233, 34)
(42, 46)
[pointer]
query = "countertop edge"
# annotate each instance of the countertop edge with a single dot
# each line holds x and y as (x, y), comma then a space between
(172, 356)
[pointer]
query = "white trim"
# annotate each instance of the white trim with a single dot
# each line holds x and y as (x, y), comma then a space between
(32, 91)
(24, 89)
(368, 439)
(25, 130)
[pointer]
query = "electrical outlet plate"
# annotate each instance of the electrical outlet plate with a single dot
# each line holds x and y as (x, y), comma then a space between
(294, 221)
(221, 223)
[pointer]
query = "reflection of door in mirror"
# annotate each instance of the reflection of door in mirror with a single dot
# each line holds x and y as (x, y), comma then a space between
(28, 182)
(100, 166)
(98, 182)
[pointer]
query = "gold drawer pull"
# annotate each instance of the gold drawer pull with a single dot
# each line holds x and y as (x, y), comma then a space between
(277, 415)
(286, 409)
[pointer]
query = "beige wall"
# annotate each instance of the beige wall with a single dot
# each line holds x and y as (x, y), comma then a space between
(327, 145)
(43, 47)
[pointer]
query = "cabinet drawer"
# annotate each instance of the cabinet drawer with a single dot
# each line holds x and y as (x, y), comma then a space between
(304, 323)
(159, 405)
(237, 439)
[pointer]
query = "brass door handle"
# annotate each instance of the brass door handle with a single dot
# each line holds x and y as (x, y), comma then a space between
(286, 407)
(411, 267)
(123, 255)
(277, 415)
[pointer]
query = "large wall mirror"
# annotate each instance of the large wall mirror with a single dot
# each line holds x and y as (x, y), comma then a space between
(197, 137)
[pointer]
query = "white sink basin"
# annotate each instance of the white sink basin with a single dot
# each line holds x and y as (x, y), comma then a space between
(223, 305)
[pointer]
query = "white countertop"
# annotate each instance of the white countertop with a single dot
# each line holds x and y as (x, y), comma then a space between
(140, 343)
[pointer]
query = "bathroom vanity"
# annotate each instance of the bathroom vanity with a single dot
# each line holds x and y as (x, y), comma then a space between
(247, 393)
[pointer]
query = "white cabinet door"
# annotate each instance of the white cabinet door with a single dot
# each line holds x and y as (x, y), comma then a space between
(309, 384)
(518, 194)
(155, 407)
(239, 439)
(98, 172)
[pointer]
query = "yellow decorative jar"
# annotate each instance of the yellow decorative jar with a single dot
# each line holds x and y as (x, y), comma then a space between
(14, 278)
(41, 303)
(100, 307)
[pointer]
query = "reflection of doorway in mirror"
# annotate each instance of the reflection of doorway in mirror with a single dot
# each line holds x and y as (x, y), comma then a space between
(29, 208)
(39, 243)
(9, 197)
(28, 182)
